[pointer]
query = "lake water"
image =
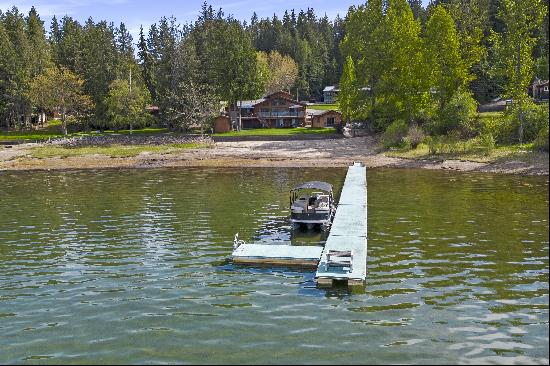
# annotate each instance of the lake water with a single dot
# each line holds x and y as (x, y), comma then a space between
(131, 266)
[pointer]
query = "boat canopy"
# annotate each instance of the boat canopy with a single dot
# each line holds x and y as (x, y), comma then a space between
(324, 186)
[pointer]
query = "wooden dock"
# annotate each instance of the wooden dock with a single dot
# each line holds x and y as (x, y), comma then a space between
(344, 256)
(278, 255)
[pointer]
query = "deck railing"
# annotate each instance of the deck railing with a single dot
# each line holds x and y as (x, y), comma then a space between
(281, 114)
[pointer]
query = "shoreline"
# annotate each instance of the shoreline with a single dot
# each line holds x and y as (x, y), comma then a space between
(295, 154)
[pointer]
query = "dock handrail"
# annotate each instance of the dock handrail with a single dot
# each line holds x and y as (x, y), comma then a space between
(237, 242)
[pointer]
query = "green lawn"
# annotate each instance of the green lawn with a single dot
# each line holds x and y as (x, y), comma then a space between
(324, 107)
(54, 131)
(114, 151)
(279, 132)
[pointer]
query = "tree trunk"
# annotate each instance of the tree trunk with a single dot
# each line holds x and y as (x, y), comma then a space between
(520, 103)
(240, 120)
(521, 118)
(64, 121)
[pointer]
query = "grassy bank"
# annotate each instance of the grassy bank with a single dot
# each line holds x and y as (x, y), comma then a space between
(463, 151)
(278, 132)
(113, 151)
(53, 131)
(324, 107)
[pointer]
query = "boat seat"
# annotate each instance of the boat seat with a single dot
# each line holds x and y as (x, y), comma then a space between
(323, 205)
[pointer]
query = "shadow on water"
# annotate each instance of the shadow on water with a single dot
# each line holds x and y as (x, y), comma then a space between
(307, 285)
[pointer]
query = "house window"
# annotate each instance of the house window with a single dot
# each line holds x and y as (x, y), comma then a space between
(280, 123)
(330, 122)
(546, 88)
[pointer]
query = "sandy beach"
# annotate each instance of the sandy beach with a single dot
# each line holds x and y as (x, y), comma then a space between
(300, 153)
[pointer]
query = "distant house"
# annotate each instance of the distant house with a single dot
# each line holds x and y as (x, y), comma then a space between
(325, 118)
(539, 90)
(153, 109)
(276, 110)
(330, 93)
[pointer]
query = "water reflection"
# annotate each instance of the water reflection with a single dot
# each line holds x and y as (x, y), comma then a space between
(118, 266)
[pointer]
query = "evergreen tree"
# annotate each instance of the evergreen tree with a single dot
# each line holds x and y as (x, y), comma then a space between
(39, 48)
(7, 76)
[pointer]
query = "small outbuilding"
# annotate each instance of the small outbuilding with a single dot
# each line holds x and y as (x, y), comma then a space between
(222, 124)
(325, 118)
(539, 90)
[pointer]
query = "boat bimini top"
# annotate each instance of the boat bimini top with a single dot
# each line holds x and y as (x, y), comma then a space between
(323, 186)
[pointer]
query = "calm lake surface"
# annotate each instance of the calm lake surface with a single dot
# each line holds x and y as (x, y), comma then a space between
(131, 266)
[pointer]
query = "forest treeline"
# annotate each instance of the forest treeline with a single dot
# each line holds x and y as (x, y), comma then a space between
(396, 61)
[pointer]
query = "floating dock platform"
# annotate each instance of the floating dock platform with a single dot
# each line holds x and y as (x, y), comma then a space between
(278, 255)
(344, 256)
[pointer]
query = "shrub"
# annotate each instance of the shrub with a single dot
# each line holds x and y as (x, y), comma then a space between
(484, 143)
(415, 136)
(458, 114)
(541, 142)
(487, 122)
(445, 144)
(452, 144)
(535, 119)
(431, 143)
(394, 134)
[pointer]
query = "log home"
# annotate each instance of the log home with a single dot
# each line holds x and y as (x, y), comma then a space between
(277, 110)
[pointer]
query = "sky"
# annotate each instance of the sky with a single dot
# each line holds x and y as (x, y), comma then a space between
(142, 12)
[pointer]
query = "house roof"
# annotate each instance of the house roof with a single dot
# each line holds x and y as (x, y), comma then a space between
(335, 88)
(320, 112)
(249, 103)
(330, 88)
(279, 94)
